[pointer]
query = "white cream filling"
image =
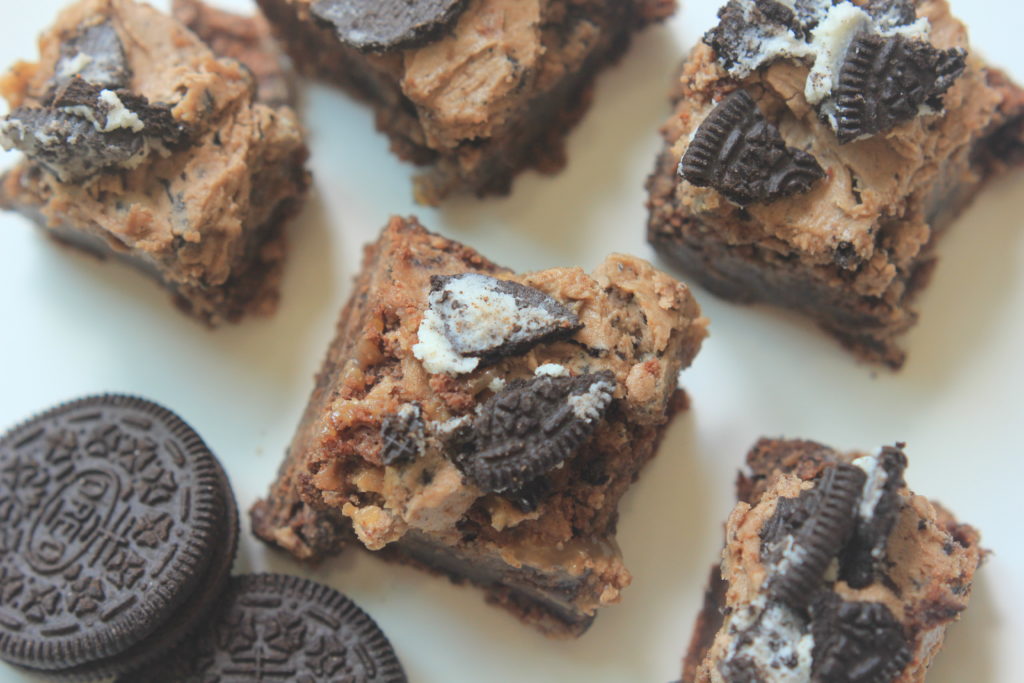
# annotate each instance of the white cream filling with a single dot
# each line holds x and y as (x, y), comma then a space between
(73, 66)
(551, 370)
(589, 405)
(496, 385)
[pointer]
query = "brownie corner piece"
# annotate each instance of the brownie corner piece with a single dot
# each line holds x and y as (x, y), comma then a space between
(478, 90)
(833, 570)
(143, 144)
(819, 184)
(484, 424)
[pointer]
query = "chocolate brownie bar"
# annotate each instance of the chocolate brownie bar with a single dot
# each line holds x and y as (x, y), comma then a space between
(484, 424)
(818, 150)
(141, 144)
(477, 89)
(833, 570)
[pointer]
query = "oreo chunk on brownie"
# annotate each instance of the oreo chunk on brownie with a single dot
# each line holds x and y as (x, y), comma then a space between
(478, 90)
(484, 424)
(142, 144)
(833, 570)
(817, 151)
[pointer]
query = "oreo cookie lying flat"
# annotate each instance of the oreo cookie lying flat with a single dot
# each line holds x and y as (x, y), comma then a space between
(531, 427)
(856, 642)
(271, 627)
(885, 80)
(821, 520)
(387, 24)
(737, 152)
(117, 528)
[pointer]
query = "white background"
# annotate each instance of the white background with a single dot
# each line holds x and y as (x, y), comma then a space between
(71, 325)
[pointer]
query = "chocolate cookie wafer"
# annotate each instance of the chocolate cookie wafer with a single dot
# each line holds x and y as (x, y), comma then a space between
(118, 527)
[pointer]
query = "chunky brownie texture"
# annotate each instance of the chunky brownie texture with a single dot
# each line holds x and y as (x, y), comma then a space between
(143, 145)
(484, 424)
(833, 570)
(247, 39)
(816, 154)
(479, 90)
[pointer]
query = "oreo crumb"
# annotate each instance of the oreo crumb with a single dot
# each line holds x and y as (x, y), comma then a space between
(532, 427)
(386, 25)
(737, 152)
(856, 642)
(885, 81)
(402, 435)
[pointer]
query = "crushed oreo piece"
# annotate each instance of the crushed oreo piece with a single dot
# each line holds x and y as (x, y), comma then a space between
(94, 54)
(484, 317)
(85, 128)
(856, 642)
(387, 24)
(531, 427)
(885, 81)
(529, 496)
(891, 13)
(879, 509)
(743, 26)
(817, 527)
(737, 152)
(402, 435)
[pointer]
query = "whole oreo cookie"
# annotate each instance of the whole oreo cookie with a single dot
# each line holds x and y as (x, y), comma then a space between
(272, 627)
(117, 527)
(385, 25)
(737, 152)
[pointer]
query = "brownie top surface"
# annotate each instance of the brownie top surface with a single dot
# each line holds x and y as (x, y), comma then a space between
(867, 180)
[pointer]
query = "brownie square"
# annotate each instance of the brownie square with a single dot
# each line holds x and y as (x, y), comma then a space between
(816, 154)
(483, 424)
(143, 145)
(476, 89)
(833, 570)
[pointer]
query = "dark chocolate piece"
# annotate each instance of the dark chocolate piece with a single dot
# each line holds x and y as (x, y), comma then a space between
(272, 627)
(884, 81)
(529, 496)
(531, 427)
(87, 128)
(737, 152)
(856, 642)
(94, 54)
(111, 512)
(387, 24)
(891, 13)
(537, 317)
(822, 519)
(865, 551)
(402, 435)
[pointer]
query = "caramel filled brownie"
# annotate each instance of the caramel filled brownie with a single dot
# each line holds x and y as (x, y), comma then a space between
(484, 424)
(142, 144)
(818, 150)
(833, 570)
(477, 89)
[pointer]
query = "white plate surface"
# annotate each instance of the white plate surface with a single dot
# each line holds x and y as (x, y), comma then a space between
(71, 325)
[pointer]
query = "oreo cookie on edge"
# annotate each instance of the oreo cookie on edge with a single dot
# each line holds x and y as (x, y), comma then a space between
(273, 627)
(117, 527)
